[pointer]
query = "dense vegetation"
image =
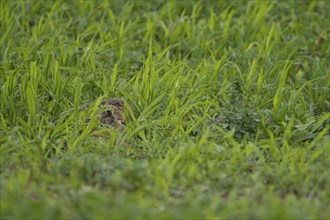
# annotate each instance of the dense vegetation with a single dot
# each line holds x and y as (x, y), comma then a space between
(227, 107)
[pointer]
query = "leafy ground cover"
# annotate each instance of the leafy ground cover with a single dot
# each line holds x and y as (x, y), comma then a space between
(227, 107)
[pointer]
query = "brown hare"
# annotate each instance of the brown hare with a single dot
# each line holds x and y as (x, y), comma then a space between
(112, 112)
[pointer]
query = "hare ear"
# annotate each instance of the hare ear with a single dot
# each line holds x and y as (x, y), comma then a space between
(121, 102)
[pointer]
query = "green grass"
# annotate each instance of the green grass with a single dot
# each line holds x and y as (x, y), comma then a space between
(227, 107)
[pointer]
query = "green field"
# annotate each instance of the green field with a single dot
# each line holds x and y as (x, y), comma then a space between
(227, 108)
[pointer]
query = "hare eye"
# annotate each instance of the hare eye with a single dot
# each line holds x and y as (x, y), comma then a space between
(109, 113)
